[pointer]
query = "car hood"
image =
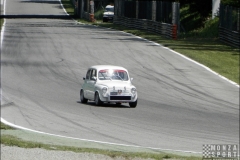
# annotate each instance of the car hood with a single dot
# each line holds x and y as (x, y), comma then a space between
(116, 84)
(108, 13)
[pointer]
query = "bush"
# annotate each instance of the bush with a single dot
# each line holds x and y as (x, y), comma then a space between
(99, 14)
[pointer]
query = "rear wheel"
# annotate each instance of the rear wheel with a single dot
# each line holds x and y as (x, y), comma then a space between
(98, 101)
(82, 99)
(133, 104)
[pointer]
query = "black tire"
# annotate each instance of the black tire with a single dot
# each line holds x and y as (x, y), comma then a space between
(98, 101)
(82, 98)
(133, 104)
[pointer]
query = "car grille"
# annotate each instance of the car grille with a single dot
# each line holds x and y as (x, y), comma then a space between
(120, 97)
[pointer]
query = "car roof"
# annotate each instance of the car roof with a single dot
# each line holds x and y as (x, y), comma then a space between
(100, 67)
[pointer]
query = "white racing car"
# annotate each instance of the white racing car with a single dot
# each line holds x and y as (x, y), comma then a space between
(107, 83)
(108, 14)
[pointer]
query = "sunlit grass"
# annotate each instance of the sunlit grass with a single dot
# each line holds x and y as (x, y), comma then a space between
(10, 140)
(5, 127)
(68, 7)
(99, 14)
(1, 22)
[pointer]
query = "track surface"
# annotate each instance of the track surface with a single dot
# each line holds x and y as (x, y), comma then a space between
(181, 105)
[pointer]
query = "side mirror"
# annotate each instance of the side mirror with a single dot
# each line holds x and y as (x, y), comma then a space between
(84, 78)
(131, 79)
(94, 78)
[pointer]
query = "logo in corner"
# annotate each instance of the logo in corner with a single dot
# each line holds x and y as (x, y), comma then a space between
(220, 152)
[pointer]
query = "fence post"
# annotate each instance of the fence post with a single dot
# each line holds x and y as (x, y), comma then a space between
(154, 10)
(80, 8)
(174, 13)
(175, 16)
(238, 20)
(230, 17)
(137, 9)
(91, 18)
(178, 17)
(174, 31)
(121, 8)
(87, 4)
(76, 7)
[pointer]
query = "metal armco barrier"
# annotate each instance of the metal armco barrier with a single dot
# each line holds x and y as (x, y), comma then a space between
(86, 15)
(164, 29)
(230, 37)
(229, 25)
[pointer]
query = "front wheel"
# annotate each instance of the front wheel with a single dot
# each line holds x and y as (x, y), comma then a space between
(98, 101)
(82, 99)
(133, 104)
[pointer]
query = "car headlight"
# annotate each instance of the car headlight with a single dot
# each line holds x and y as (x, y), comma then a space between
(133, 90)
(104, 90)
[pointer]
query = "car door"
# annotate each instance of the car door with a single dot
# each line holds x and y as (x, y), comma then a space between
(86, 84)
(91, 83)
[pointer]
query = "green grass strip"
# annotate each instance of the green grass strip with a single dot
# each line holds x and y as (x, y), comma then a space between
(10, 140)
(5, 127)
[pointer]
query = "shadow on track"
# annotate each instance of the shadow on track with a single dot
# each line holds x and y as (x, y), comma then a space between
(37, 16)
(105, 105)
(47, 2)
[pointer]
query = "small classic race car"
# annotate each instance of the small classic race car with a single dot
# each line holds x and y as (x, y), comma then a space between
(107, 83)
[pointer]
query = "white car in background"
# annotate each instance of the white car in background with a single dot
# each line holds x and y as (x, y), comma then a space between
(108, 13)
(107, 83)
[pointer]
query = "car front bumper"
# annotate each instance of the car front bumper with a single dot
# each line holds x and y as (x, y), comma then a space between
(108, 18)
(119, 98)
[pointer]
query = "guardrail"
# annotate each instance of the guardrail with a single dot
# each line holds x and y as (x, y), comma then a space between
(86, 15)
(230, 37)
(164, 29)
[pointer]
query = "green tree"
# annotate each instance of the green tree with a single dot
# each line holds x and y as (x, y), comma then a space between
(234, 3)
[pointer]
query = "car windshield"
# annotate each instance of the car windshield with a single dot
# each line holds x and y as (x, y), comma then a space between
(109, 9)
(113, 74)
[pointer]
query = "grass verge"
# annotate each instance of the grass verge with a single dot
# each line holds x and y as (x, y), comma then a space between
(5, 127)
(10, 140)
(1, 23)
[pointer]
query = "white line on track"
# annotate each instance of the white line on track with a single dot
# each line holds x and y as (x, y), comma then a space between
(3, 28)
(235, 84)
(63, 7)
(101, 142)
(2, 35)
(207, 68)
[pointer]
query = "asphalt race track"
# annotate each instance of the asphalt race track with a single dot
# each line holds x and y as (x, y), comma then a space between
(45, 55)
